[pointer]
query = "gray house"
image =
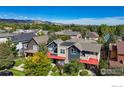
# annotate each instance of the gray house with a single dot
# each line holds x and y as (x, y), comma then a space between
(34, 44)
(92, 36)
(21, 40)
(72, 34)
(5, 36)
(86, 51)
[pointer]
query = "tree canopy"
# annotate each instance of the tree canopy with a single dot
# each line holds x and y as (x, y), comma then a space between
(38, 65)
(6, 56)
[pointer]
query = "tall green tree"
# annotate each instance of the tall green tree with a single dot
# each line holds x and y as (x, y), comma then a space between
(72, 69)
(6, 56)
(38, 65)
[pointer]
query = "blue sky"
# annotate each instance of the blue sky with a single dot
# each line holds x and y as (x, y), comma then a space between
(67, 14)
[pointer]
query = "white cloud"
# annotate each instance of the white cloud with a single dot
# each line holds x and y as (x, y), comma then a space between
(93, 21)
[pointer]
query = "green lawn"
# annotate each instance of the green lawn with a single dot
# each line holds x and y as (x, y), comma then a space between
(17, 73)
(19, 61)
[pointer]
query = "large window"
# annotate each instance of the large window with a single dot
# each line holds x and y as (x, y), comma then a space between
(62, 51)
(73, 51)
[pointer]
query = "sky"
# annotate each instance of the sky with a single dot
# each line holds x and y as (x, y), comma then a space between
(85, 15)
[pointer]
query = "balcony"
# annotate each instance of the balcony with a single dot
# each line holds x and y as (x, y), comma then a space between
(89, 60)
(55, 56)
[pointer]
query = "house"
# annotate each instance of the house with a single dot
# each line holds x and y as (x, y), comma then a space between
(120, 52)
(116, 54)
(86, 51)
(92, 36)
(72, 34)
(34, 44)
(5, 36)
(21, 40)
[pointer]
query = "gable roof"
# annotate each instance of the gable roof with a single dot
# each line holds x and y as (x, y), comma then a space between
(64, 32)
(67, 43)
(23, 37)
(120, 47)
(6, 35)
(93, 47)
(92, 35)
(83, 45)
(58, 41)
(41, 39)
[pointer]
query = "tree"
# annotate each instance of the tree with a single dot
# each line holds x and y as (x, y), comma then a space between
(40, 33)
(43, 48)
(103, 30)
(38, 65)
(63, 37)
(6, 56)
(103, 64)
(52, 37)
(26, 26)
(72, 69)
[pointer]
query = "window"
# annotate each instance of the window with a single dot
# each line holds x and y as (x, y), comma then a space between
(73, 51)
(62, 51)
(35, 47)
(25, 46)
(53, 45)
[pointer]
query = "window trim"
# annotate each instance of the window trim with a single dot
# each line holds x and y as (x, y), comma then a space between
(74, 51)
(62, 51)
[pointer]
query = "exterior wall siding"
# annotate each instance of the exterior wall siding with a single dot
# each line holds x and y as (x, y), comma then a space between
(120, 58)
(31, 43)
(63, 55)
(53, 46)
(72, 56)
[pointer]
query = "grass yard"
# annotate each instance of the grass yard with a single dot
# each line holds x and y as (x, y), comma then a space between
(19, 61)
(17, 73)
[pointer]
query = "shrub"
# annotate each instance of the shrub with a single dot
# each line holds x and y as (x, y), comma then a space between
(54, 69)
(84, 73)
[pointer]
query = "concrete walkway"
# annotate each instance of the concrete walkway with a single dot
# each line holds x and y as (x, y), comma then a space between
(50, 72)
(20, 67)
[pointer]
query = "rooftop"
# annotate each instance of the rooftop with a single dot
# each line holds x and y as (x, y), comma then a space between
(67, 32)
(5, 35)
(41, 39)
(92, 35)
(22, 37)
(120, 47)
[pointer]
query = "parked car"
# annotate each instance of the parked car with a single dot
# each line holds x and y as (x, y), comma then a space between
(6, 73)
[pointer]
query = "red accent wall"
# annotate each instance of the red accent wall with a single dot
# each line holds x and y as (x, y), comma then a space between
(120, 57)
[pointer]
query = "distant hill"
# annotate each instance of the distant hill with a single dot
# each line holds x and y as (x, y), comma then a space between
(15, 21)
(24, 21)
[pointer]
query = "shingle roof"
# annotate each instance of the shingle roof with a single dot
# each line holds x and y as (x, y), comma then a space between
(58, 41)
(5, 35)
(41, 39)
(92, 35)
(23, 37)
(93, 47)
(70, 33)
(81, 40)
(120, 47)
(83, 44)
(67, 43)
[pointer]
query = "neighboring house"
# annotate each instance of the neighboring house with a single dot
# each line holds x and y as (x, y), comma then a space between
(21, 40)
(92, 36)
(34, 44)
(86, 51)
(113, 51)
(120, 52)
(116, 54)
(72, 34)
(2, 31)
(5, 36)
